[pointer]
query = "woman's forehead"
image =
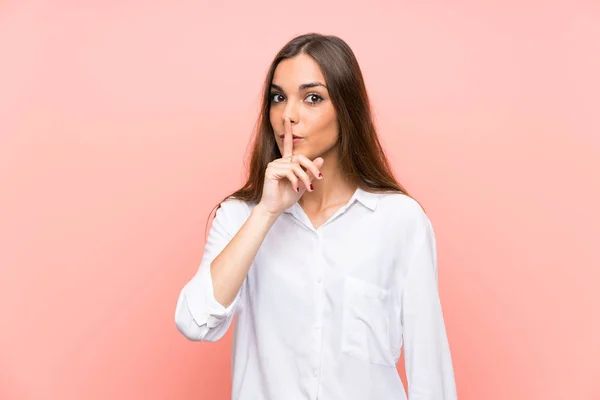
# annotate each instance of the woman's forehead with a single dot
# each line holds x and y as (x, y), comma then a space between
(293, 72)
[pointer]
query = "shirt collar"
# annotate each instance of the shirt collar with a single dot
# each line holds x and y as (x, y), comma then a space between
(367, 199)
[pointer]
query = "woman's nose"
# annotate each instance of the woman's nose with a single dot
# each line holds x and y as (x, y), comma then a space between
(290, 113)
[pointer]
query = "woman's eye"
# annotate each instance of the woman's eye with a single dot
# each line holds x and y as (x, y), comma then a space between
(315, 98)
(312, 98)
(274, 97)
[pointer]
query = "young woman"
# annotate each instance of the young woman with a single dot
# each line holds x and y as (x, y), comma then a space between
(327, 263)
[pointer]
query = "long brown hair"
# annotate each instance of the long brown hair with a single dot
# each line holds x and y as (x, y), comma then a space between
(362, 159)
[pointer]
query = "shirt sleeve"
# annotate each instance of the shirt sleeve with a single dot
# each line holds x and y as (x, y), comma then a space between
(198, 315)
(428, 362)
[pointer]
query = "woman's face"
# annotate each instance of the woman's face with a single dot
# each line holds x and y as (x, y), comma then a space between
(298, 92)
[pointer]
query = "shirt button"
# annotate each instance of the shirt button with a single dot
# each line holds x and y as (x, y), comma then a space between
(318, 280)
(316, 372)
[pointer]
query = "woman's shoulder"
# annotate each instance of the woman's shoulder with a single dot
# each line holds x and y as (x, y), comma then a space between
(236, 205)
(230, 214)
(234, 210)
(403, 210)
(401, 204)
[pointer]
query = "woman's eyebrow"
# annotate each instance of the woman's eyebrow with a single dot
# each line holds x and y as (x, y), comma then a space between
(301, 87)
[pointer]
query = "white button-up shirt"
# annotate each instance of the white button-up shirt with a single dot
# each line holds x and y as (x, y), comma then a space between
(324, 313)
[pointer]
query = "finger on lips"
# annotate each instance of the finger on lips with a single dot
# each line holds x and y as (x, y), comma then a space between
(299, 161)
(288, 139)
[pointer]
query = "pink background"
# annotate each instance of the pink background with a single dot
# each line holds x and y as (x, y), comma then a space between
(122, 123)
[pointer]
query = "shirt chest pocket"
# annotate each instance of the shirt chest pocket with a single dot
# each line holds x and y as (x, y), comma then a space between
(366, 322)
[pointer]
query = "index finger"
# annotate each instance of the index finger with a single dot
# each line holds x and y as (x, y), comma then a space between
(288, 140)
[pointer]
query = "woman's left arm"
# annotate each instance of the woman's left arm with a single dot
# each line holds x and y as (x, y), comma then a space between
(429, 369)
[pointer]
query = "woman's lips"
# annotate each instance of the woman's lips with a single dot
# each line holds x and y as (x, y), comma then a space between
(296, 139)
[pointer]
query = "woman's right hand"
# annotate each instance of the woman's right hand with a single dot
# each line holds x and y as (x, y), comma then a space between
(285, 181)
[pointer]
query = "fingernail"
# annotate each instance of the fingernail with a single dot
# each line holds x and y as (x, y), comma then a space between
(311, 187)
(320, 175)
(298, 189)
